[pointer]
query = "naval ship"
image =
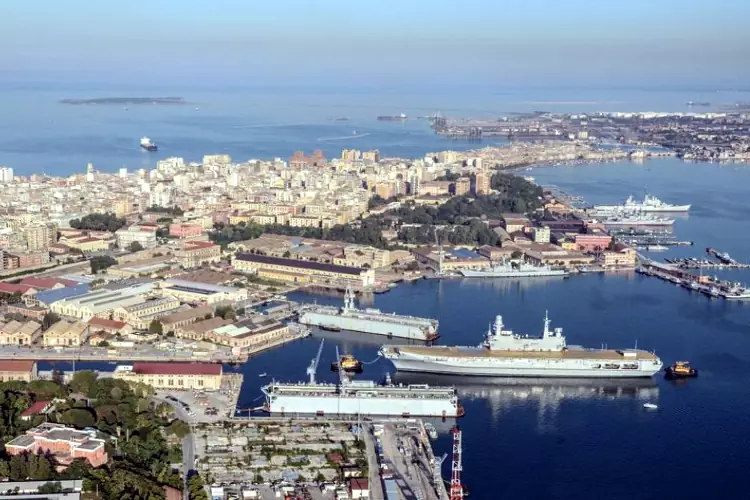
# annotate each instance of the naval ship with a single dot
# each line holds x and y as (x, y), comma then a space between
(360, 397)
(649, 204)
(510, 269)
(148, 145)
(507, 354)
(373, 321)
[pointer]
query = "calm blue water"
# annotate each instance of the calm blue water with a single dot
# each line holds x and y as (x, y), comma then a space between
(38, 134)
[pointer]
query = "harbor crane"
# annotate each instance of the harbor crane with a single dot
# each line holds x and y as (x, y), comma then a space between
(456, 488)
(313, 368)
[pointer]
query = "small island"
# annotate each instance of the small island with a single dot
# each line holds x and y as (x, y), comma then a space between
(126, 100)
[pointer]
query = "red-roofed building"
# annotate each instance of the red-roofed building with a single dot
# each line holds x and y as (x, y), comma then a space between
(200, 376)
(108, 325)
(24, 370)
(36, 409)
(359, 487)
(11, 288)
(46, 283)
(185, 230)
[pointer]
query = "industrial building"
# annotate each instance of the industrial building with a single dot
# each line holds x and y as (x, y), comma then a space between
(23, 370)
(188, 376)
(65, 333)
(197, 292)
(319, 273)
(64, 443)
(102, 302)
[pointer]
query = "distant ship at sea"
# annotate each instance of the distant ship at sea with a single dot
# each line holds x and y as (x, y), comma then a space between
(389, 118)
(148, 145)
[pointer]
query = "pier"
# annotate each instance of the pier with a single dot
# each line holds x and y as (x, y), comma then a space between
(702, 284)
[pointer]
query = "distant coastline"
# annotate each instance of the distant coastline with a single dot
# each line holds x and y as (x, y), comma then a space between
(126, 100)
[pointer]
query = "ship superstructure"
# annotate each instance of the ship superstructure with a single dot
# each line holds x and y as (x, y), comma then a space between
(374, 321)
(649, 204)
(635, 220)
(512, 269)
(360, 397)
(507, 354)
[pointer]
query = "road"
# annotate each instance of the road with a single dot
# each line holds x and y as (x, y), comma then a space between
(188, 443)
(88, 353)
(376, 485)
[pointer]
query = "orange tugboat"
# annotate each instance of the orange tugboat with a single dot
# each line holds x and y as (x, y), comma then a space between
(348, 364)
(680, 369)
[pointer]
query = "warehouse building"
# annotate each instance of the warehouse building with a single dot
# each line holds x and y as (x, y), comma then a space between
(188, 376)
(319, 273)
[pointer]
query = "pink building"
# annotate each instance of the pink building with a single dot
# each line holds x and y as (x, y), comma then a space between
(65, 443)
(185, 230)
(592, 242)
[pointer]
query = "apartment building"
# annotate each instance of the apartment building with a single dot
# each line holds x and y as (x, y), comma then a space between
(195, 253)
(142, 234)
(183, 230)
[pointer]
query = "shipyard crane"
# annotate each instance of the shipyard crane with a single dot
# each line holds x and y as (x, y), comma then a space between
(456, 489)
(313, 368)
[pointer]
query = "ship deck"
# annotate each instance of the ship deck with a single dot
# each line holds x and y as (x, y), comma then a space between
(468, 352)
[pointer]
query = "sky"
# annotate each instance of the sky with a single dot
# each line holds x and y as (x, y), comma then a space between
(377, 42)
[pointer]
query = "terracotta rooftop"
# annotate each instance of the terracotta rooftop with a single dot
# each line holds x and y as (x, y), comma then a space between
(25, 365)
(177, 369)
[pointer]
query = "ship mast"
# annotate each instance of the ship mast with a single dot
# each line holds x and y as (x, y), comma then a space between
(457, 489)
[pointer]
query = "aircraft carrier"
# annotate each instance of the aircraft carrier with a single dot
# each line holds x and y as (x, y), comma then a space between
(506, 354)
(359, 397)
(368, 321)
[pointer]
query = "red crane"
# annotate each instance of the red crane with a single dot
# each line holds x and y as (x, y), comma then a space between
(456, 490)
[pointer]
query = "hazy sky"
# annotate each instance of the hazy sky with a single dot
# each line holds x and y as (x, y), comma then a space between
(380, 42)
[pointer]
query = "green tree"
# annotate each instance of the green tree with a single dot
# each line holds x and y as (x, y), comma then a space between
(226, 312)
(156, 327)
(78, 417)
(179, 428)
(101, 262)
(55, 487)
(83, 382)
(98, 222)
(135, 247)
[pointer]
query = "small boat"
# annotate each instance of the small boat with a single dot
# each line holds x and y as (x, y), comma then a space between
(264, 374)
(431, 431)
(330, 328)
(680, 369)
(348, 363)
(650, 406)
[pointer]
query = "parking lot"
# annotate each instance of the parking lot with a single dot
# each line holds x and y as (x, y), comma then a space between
(206, 406)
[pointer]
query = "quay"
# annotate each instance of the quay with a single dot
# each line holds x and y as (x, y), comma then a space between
(703, 284)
